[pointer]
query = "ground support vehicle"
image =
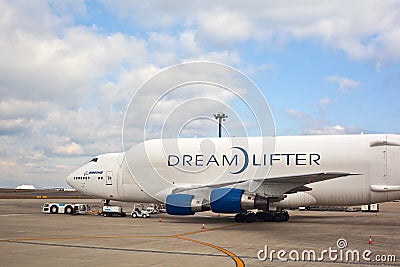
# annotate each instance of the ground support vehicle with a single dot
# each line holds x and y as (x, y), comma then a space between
(66, 208)
(139, 212)
(113, 211)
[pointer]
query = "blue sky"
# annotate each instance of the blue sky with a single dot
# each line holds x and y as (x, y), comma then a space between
(69, 68)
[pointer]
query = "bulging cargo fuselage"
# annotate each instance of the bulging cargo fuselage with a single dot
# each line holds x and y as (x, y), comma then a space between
(152, 170)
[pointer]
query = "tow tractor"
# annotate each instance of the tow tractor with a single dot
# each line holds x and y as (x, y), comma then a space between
(139, 211)
(66, 208)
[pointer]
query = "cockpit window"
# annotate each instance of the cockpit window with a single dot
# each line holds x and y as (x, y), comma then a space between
(94, 159)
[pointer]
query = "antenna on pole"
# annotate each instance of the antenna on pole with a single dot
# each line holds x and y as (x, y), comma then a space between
(220, 116)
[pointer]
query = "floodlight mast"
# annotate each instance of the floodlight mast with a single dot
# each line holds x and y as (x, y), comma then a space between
(220, 116)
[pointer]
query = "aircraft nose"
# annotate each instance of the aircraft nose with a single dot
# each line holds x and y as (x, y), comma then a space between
(70, 179)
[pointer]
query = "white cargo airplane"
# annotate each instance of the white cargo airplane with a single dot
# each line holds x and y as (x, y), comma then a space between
(238, 175)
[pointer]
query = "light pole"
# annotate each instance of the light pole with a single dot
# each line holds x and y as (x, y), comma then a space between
(220, 116)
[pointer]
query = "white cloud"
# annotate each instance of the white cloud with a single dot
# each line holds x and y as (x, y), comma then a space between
(65, 87)
(335, 130)
(316, 125)
(344, 83)
(61, 69)
(296, 114)
(378, 66)
(224, 26)
(14, 126)
(324, 102)
(15, 108)
(364, 29)
(70, 149)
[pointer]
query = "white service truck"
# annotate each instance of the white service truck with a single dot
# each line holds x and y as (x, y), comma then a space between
(66, 208)
(113, 211)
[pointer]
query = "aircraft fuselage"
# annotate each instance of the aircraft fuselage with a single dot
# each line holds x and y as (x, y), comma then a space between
(149, 172)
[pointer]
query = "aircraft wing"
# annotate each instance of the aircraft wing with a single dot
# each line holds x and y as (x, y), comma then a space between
(305, 178)
(209, 186)
(279, 185)
(273, 186)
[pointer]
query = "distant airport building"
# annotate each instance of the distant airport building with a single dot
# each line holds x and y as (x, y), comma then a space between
(26, 186)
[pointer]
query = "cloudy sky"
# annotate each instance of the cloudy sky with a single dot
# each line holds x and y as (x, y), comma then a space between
(69, 68)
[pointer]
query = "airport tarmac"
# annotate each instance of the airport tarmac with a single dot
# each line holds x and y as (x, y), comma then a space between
(6, 193)
(30, 238)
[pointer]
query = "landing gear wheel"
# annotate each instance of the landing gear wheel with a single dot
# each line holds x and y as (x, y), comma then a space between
(285, 216)
(261, 215)
(278, 217)
(240, 217)
(268, 217)
(251, 217)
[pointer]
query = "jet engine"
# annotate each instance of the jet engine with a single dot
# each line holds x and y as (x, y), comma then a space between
(184, 204)
(232, 200)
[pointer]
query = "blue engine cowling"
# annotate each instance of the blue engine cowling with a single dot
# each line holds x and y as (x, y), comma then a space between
(233, 200)
(179, 204)
(184, 204)
(226, 200)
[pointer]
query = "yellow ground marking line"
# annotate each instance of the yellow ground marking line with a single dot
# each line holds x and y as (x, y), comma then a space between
(239, 262)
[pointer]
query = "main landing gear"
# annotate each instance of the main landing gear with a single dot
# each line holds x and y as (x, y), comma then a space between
(266, 216)
(249, 217)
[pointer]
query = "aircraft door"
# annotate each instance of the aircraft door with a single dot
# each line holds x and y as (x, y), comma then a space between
(392, 168)
(109, 175)
(389, 186)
